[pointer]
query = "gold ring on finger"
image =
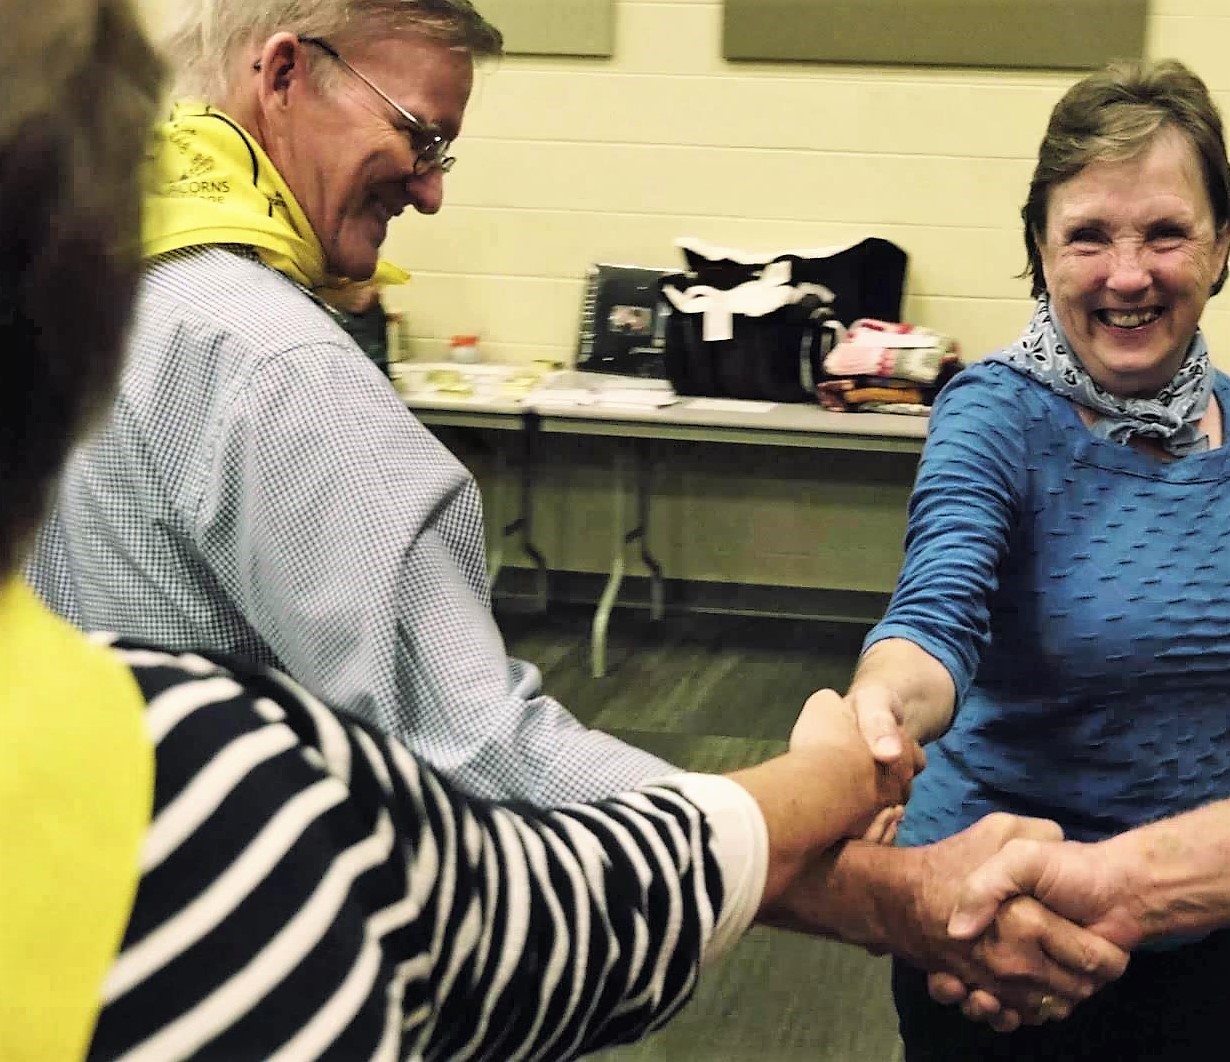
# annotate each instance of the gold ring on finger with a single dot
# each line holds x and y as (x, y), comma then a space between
(1049, 1007)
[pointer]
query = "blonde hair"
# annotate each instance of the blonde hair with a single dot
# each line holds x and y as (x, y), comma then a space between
(207, 36)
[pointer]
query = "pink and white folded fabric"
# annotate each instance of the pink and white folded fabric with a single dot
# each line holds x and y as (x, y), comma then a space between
(887, 367)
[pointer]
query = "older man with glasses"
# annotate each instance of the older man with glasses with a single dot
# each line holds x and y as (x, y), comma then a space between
(428, 144)
(259, 489)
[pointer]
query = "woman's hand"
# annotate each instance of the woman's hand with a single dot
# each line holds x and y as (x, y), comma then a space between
(828, 721)
(826, 787)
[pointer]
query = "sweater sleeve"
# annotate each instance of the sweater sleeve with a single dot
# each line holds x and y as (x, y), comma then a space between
(961, 515)
(556, 933)
(311, 889)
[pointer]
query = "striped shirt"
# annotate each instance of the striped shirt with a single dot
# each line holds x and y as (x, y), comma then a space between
(260, 490)
(309, 890)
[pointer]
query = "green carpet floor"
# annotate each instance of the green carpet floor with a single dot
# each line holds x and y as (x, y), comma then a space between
(714, 694)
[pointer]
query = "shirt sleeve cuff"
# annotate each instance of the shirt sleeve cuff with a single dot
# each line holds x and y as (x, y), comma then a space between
(739, 841)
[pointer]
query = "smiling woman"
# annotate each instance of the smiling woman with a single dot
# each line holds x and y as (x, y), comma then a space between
(1130, 256)
(1061, 626)
(1127, 227)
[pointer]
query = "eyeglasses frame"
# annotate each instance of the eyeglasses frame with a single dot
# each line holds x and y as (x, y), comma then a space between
(429, 145)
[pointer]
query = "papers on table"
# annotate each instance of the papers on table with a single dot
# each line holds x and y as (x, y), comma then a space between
(570, 390)
(729, 405)
(455, 382)
(529, 386)
(566, 398)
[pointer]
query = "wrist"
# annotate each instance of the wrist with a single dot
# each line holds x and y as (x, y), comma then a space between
(898, 894)
(1168, 879)
(909, 677)
(859, 893)
(809, 799)
(1129, 873)
(841, 787)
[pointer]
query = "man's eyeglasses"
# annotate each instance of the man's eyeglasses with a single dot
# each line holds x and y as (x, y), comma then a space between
(429, 145)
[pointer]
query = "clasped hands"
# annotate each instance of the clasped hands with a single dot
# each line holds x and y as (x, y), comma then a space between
(1002, 916)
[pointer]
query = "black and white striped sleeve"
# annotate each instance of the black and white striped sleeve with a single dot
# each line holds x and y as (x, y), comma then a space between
(309, 890)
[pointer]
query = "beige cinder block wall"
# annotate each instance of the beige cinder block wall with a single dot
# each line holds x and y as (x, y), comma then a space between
(564, 162)
(568, 161)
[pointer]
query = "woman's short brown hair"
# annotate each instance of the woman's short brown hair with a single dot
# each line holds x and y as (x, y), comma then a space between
(1115, 114)
(81, 86)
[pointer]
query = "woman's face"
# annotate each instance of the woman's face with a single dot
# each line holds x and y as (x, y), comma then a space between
(1130, 254)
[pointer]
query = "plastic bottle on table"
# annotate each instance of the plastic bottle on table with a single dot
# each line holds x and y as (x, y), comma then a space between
(464, 349)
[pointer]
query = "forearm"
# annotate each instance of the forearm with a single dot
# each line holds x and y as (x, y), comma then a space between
(597, 914)
(809, 800)
(857, 892)
(1174, 875)
(921, 685)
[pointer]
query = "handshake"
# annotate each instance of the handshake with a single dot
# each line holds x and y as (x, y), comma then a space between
(1009, 921)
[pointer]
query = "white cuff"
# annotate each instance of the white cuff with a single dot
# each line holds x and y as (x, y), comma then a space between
(739, 841)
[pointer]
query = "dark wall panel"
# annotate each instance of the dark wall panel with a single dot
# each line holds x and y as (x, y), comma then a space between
(1048, 34)
(553, 27)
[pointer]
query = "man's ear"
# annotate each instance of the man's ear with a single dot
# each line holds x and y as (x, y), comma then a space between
(281, 67)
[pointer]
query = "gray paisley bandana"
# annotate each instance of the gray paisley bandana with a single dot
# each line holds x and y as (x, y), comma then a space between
(1043, 352)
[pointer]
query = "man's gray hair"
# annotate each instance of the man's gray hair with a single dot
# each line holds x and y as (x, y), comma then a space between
(205, 41)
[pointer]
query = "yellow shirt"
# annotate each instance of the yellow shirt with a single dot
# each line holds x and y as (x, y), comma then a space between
(76, 795)
(210, 183)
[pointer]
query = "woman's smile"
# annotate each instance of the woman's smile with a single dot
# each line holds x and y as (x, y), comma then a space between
(1130, 256)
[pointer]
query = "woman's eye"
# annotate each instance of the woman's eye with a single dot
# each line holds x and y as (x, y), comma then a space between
(1086, 241)
(1166, 238)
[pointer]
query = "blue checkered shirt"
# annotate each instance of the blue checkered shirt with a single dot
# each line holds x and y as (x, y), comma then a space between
(260, 490)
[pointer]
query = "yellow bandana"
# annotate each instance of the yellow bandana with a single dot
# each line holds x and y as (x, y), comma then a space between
(76, 795)
(211, 183)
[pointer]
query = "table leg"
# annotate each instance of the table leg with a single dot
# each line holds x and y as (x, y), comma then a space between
(623, 539)
(644, 474)
(499, 506)
(523, 523)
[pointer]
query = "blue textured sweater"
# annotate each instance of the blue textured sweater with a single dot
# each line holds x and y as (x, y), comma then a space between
(1078, 592)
